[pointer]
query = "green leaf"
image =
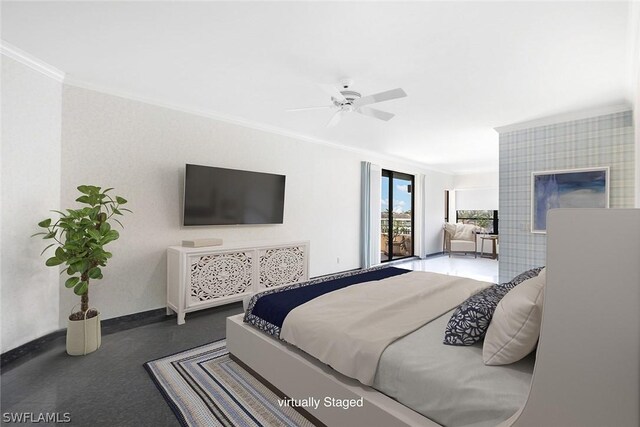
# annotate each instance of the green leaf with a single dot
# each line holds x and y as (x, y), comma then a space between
(116, 211)
(95, 234)
(83, 199)
(44, 250)
(71, 270)
(42, 233)
(71, 246)
(81, 288)
(45, 223)
(108, 189)
(110, 236)
(78, 266)
(53, 261)
(61, 254)
(84, 189)
(95, 273)
(121, 200)
(50, 235)
(71, 282)
(104, 227)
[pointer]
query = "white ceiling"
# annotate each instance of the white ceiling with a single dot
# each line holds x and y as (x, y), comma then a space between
(467, 67)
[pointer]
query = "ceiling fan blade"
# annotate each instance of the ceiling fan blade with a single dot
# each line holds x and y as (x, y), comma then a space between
(372, 112)
(335, 119)
(333, 91)
(310, 108)
(379, 97)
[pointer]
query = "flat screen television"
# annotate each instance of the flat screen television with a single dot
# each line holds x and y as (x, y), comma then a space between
(218, 196)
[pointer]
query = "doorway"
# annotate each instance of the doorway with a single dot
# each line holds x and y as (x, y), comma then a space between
(397, 199)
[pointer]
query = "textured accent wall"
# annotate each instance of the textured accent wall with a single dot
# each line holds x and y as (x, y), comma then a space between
(598, 141)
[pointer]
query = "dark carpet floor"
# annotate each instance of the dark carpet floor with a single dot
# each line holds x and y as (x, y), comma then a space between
(108, 387)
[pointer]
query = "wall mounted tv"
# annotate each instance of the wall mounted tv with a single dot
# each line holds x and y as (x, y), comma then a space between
(217, 196)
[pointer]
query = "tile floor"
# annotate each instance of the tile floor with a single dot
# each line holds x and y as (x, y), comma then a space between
(458, 265)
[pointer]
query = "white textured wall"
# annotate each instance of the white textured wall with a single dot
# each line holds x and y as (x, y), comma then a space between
(141, 150)
(434, 211)
(31, 115)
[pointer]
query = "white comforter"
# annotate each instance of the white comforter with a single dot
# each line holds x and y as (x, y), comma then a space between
(450, 384)
(349, 329)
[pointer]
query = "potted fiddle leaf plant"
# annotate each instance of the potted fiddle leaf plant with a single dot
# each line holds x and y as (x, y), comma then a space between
(79, 237)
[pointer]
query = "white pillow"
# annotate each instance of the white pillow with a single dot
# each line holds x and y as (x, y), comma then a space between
(515, 326)
(450, 228)
(464, 232)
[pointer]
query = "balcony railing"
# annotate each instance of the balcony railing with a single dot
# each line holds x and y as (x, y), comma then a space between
(400, 226)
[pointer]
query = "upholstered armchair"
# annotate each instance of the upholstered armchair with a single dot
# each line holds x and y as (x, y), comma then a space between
(460, 238)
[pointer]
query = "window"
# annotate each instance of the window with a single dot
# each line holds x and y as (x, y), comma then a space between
(485, 219)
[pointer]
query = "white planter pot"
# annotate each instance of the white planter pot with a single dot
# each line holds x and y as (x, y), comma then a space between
(83, 336)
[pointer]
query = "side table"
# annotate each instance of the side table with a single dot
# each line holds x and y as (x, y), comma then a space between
(494, 246)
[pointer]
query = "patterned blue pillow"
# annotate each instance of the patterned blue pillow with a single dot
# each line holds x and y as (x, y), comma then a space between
(522, 277)
(470, 321)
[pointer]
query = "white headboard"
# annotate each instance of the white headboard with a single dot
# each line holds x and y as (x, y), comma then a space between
(587, 371)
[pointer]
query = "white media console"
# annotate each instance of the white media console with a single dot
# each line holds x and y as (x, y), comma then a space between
(199, 278)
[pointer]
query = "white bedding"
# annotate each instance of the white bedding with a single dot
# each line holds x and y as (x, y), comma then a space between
(450, 384)
(349, 328)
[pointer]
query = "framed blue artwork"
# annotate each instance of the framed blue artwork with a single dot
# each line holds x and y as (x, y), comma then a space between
(570, 188)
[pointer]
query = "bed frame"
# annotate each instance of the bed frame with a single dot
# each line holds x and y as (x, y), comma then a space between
(587, 370)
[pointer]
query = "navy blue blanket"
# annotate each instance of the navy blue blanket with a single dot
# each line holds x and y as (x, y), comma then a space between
(268, 310)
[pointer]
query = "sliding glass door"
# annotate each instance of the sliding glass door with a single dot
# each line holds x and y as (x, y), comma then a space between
(396, 240)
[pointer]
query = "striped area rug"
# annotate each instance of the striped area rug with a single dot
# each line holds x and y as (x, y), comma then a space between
(204, 387)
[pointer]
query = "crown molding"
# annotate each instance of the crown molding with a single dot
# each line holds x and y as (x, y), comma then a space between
(38, 65)
(31, 61)
(247, 124)
(566, 117)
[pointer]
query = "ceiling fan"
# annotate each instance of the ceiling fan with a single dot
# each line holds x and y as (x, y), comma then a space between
(344, 100)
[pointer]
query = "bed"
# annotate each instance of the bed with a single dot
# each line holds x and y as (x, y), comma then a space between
(567, 386)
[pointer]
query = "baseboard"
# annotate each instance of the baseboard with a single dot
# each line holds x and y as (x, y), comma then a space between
(134, 320)
(9, 359)
(29, 350)
(400, 260)
(434, 254)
